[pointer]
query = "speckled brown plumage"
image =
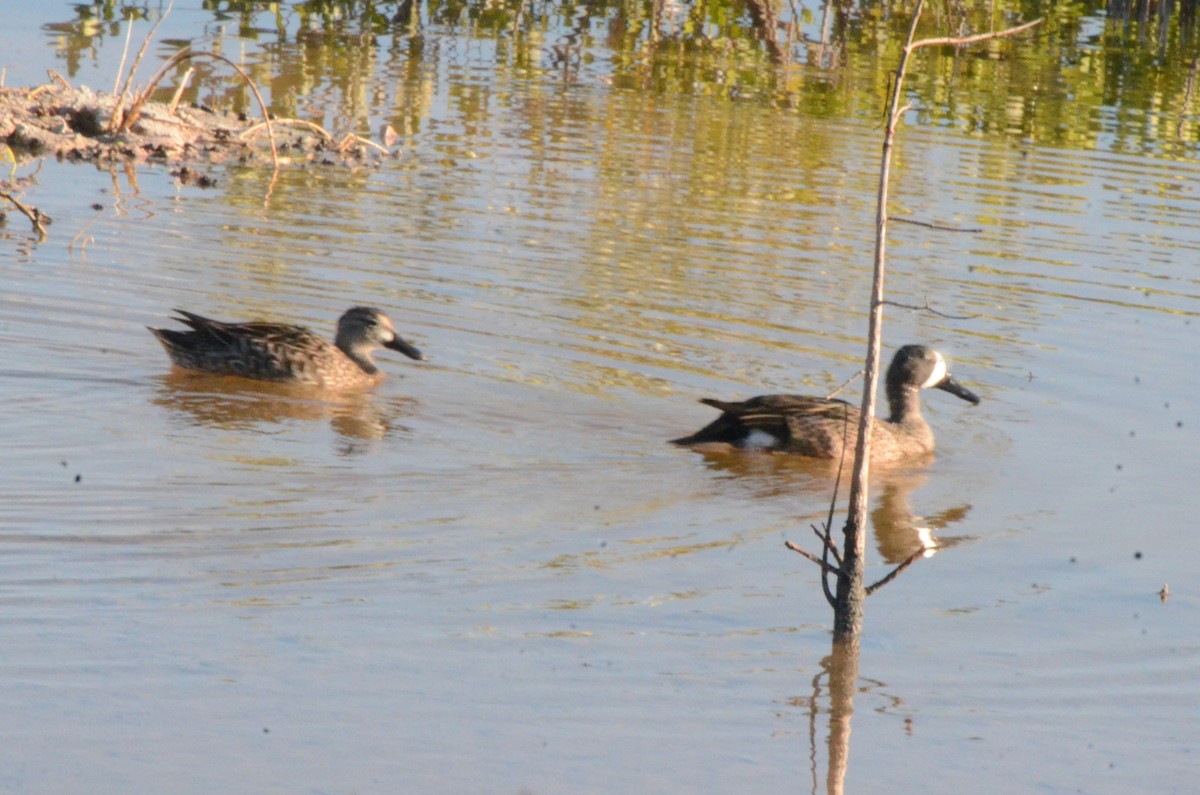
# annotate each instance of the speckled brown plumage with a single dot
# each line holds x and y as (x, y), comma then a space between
(827, 427)
(286, 353)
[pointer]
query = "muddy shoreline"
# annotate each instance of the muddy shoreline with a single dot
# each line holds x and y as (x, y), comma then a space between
(78, 124)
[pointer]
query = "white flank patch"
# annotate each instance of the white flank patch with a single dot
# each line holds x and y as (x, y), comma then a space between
(759, 440)
(939, 372)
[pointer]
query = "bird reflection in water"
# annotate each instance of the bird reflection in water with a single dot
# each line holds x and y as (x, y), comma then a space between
(899, 533)
(359, 418)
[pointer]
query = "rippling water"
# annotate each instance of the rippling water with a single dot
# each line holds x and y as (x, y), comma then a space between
(492, 573)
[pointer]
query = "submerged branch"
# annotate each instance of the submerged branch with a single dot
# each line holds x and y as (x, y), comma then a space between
(940, 227)
(927, 308)
(36, 216)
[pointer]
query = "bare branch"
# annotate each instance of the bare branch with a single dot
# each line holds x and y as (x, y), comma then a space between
(268, 123)
(827, 539)
(895, 572)
(825, 566)
(965, 40)
(185, 55)
(940, 227)
(929, 309)
(32, 213)
(846, 383)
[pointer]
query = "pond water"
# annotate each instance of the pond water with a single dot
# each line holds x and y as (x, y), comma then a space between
(492, 573)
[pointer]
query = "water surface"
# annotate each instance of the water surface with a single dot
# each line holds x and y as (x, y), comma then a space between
(492, 573)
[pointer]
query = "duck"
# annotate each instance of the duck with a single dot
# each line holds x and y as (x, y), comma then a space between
(827, 428)
(281, 352)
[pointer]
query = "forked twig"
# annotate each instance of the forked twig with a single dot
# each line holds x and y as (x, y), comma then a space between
(929, 309)
(32, 213)
(827, 539)
(801, 550)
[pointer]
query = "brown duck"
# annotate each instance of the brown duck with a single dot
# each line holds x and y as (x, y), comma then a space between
(825, 427)
(286, 353)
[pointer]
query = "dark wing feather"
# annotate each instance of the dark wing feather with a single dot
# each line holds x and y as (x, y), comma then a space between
(230, 333)
(777, 415)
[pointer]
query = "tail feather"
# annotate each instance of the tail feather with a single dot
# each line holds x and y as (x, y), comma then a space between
(726, 428)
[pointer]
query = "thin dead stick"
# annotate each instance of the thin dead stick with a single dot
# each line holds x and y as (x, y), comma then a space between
(930, 310)
(828, 549)
(802, 551)
(350, 139)
(845, 384)
(827, 539)
(82, 236)
(124, 55)
(187, 76)
(186, 55)
(32, 213)
(940, 227)
(56, 76)
(137, 59)
(895, 572)
(965, 40)
(254, 129)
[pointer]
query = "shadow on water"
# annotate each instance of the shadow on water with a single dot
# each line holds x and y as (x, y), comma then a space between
(231, 403)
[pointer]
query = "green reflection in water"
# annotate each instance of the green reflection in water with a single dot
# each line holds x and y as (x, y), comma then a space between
(1086, 78)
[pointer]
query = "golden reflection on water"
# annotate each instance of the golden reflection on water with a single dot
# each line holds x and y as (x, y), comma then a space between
(232, 403)
(899, 532)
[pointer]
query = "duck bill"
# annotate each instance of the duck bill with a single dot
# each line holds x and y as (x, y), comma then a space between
(407, 349)
(948, 384)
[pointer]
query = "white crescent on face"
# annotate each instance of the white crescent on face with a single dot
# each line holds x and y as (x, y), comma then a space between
(939, 372)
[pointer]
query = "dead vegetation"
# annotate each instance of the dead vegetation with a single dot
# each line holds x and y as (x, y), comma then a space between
(59, 120)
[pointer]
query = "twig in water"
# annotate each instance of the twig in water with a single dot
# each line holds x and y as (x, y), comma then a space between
(846, 383)
(253, 130)
(32, 213)
(179, 89)
(894, 572)
(929, 309)
(801, 550)
(940, 227)
(134, 109)
(827, 539)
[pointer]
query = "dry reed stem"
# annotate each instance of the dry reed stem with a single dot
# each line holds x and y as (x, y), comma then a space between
(183, 82)
(137, 59)
(135, 109)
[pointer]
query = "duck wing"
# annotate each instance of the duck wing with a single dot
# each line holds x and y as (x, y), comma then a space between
(239, 334)
(768, 421)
